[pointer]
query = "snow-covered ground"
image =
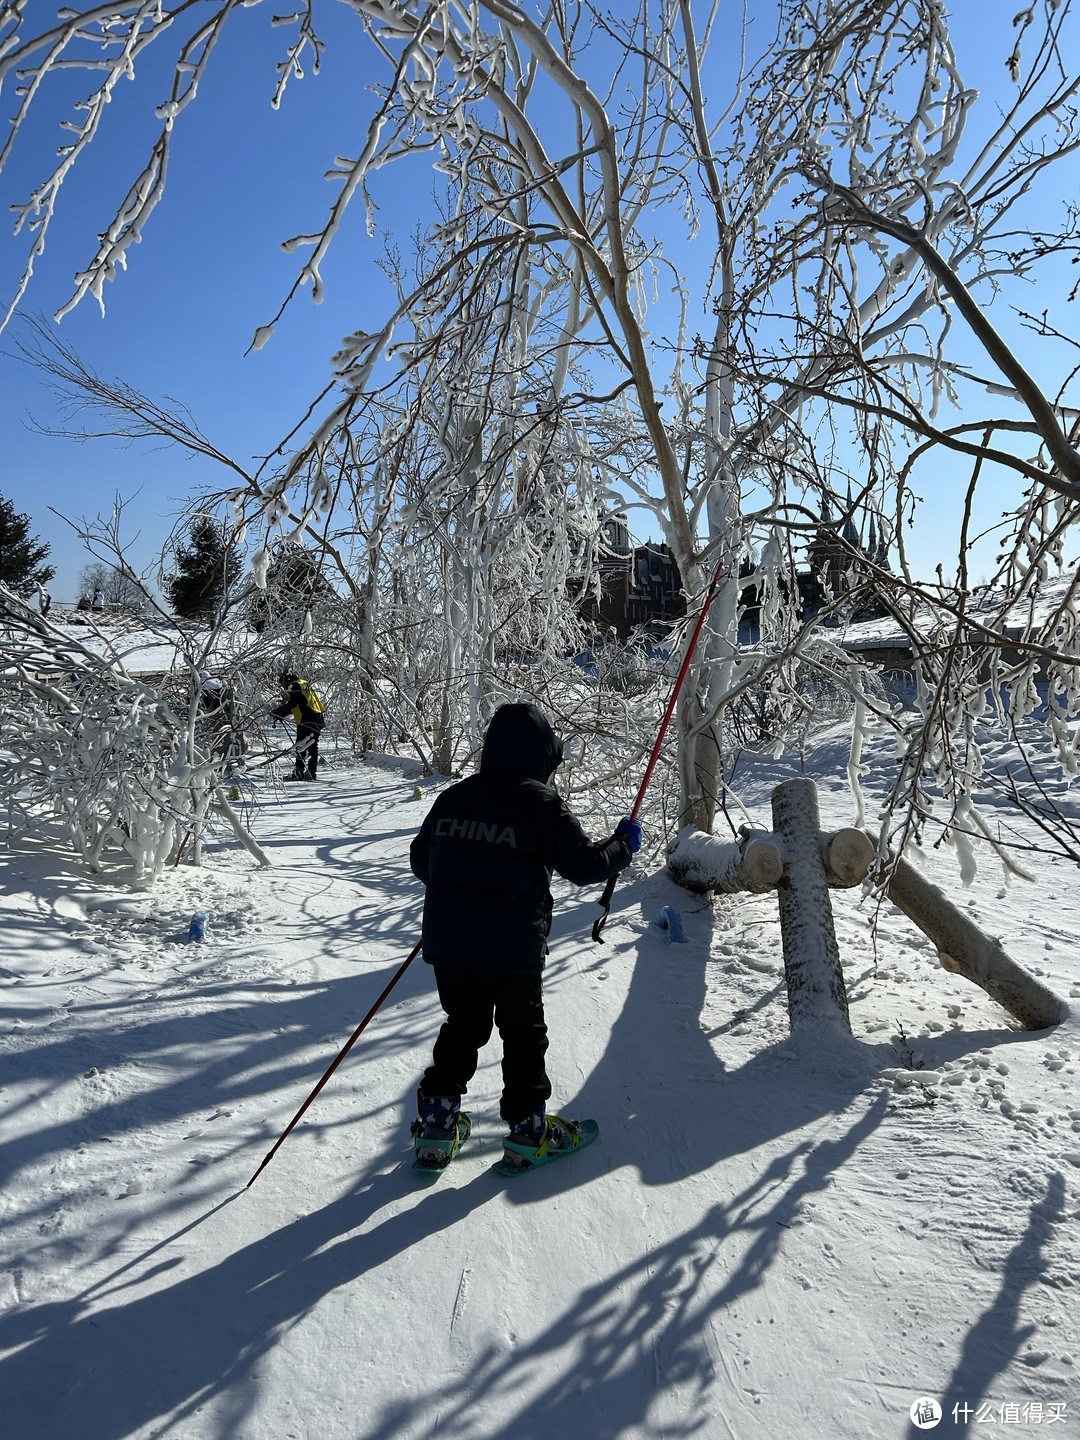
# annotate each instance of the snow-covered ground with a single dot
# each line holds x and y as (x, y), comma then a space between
(770, 1240)
(140, 647)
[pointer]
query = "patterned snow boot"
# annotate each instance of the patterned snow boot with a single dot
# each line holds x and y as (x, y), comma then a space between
(439, 1132)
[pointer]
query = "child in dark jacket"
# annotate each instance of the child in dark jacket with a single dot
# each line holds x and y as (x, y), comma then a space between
(485, 854)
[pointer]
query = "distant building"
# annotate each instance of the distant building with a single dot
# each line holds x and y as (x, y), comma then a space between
(640, 587)
(837, 558)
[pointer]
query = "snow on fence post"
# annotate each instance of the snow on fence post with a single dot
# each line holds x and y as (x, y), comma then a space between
(815, 980)
(701, 862)
(965, 950)
(755, 861)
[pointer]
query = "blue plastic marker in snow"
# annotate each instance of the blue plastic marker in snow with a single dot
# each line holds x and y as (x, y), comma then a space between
(197, 928)
(670, 920)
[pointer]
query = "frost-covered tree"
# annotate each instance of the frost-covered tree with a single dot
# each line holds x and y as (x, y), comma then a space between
(419, 556)
(864, 205)
(122, 767)
(497, 505)
(22, 554)
(852, 202)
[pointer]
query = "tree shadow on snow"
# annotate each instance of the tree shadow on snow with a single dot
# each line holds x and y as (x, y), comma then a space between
(225, 1054)
(670, 1109)
(994, 1341)
(123, 1366)
(648, 1319)
(103, 1372)
(644, 1326)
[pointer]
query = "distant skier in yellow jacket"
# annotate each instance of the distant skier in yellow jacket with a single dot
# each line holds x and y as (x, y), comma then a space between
(307, 710)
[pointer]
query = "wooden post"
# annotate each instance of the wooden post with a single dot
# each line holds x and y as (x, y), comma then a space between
(803, 864)
(965, 950)
(815, 980)
(700, 862)
(848, 855)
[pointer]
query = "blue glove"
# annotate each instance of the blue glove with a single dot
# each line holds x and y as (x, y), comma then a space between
(629, 831)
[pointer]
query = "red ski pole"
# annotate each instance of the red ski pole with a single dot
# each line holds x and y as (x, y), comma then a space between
(609, 888)
(337, 1061)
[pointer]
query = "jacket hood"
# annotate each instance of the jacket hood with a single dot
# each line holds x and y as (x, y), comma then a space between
(520, 738)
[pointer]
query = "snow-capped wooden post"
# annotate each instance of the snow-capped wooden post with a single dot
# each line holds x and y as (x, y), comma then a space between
(802, 864)
(965, 950)
(815, 980)
(702, 862)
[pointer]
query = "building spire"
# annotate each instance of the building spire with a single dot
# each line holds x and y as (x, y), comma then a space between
(849, 532)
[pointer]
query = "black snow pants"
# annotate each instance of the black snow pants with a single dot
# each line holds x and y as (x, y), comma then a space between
(474, 1003)
(307, 751)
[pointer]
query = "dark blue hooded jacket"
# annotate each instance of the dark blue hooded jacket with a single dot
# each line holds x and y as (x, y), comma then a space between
(489, 844)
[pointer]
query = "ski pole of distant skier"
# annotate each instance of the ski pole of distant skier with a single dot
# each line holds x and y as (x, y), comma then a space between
(609, 888)
(337, 1061)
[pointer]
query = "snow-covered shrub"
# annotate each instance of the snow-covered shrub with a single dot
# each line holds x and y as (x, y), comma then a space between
(625, 668)
(111, 758)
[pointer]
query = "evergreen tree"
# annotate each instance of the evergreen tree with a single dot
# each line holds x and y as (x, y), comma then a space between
(21, 554)
(205, 570)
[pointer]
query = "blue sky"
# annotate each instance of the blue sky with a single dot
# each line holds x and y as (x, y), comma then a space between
(209, 271)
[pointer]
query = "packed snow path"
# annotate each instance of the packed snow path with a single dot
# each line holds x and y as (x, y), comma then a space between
(767, 1241)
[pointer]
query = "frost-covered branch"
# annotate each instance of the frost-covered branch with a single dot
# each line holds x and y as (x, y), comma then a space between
(106, 756)
(866, 207)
